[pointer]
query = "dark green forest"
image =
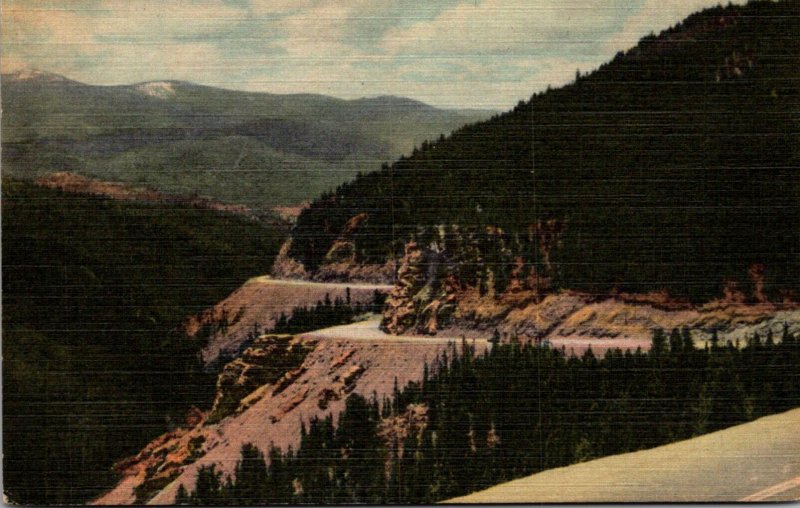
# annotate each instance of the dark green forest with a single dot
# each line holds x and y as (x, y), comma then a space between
(94, 364)
(326, 313)
(514, 411)
(675, 165)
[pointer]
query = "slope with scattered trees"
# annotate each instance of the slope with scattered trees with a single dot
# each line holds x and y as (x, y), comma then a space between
(518, 409)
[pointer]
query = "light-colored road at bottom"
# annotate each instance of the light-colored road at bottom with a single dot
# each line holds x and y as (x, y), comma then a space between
(758, 462)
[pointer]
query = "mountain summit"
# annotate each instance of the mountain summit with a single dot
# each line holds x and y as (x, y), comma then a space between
(30, 73)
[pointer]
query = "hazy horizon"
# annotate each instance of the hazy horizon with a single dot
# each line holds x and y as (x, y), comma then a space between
(485, 54)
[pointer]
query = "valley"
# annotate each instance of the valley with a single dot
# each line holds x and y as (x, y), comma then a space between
(227, 297)
(360, 358)
(254, 149)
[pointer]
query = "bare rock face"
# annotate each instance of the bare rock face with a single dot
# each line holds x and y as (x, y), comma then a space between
(161, 461)
(343, 249)
(273, 413)
(434, 276)
(400, 313)
(271, 358)
(285, 267)
(341, 262)
(355, 272)
(472, 281)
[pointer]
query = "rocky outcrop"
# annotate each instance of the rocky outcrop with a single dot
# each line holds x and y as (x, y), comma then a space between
(395, 430)
(576, 320)
(441, 266)
(458, 280)
(269, 359)
(272, 414)
(286, 267)
(161, 461)
(356, 272)
(340, 263)
(400, 313)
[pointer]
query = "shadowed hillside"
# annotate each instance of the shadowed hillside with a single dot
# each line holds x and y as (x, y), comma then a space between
(94, 293)
(674, 166)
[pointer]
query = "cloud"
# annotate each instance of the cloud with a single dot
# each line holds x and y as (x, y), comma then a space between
(112, 40)
(655, 16)
(523, 27)
(496, 52)
(475, 53)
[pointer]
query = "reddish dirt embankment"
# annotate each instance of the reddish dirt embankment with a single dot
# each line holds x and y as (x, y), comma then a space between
(272, 413)
(259, 303)
(70, 182)
(576, 320)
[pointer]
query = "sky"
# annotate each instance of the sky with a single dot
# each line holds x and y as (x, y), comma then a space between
(448, 53)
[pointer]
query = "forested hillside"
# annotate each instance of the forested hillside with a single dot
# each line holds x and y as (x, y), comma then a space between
(251, 148)
(476, 421)
(94, 293)
(674, 166)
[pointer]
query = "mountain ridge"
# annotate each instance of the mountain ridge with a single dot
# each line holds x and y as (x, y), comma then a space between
(183, 137)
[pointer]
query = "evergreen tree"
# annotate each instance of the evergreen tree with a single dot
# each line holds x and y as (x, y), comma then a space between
(251, 474)
(207, 489)
(688, 342)
(181, 497)
(675, 341)
(659, 343)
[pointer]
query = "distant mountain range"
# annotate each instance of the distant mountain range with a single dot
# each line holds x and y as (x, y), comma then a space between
(257, 149)
(675, 166)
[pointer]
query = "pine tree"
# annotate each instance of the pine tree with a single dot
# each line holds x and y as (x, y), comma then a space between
(659, 344)
(688, 342)
(675, 341)
(251, 474)
(181, 497)
(207, 490)
(472, 438)
(714, 340)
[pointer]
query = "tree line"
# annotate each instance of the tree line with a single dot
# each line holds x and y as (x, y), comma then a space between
(326, 313)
